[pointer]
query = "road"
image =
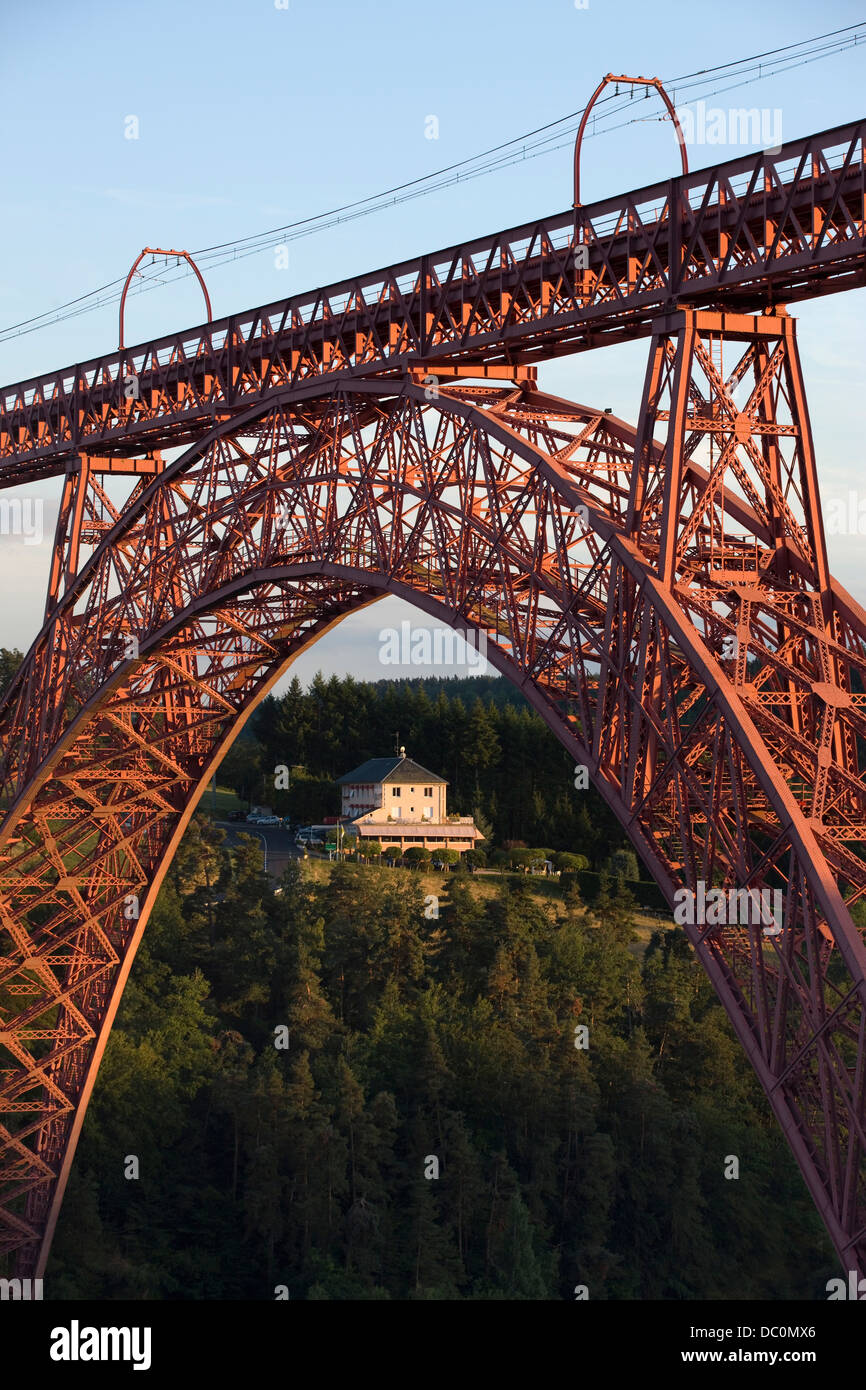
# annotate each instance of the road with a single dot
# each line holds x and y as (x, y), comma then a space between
(281, 844)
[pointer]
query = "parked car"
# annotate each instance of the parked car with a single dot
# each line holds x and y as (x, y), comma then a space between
(269, 820)
(237, 815)
(307, 836)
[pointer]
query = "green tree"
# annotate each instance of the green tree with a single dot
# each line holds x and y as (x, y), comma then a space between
(417, 855)
(564, 861)
(623, 862)
(10, 660)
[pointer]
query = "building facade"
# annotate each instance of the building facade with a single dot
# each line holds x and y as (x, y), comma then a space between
(397, 802)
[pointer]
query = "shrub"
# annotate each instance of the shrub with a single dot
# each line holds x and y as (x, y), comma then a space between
(417, 855)
(565, 861)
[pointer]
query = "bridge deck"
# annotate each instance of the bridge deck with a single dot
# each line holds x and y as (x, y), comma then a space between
(764, 228)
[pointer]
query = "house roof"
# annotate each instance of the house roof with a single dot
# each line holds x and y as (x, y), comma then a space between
(393, 769)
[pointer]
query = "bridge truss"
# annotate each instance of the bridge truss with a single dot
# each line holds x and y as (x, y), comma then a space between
(662, 595)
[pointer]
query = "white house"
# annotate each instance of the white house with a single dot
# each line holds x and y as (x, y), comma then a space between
(397, 802)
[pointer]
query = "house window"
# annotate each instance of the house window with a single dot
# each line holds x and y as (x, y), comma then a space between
(428, 791)
(395, 791)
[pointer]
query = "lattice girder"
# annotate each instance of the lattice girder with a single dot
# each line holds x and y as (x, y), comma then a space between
(496, 510)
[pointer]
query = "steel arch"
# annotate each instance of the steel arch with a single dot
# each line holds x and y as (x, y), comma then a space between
(501, 509)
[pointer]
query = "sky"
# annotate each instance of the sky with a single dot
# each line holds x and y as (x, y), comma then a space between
(249, 114)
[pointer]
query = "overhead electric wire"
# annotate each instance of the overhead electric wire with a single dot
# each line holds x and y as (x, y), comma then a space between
(362, 207)
(497, 157)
